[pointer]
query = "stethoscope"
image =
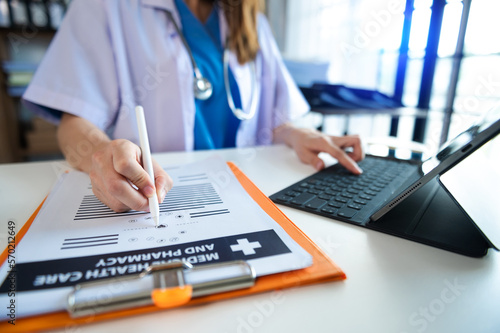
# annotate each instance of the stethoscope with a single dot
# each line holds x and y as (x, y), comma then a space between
(202, 87)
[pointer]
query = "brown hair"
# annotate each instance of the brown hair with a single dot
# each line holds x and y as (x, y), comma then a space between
(241, 16)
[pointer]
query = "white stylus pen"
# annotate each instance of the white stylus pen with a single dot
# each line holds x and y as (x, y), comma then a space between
(147, 161)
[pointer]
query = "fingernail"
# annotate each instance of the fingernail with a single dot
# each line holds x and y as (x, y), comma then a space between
(149, 191)
(319, 165)
(359, 169)
(163, 193)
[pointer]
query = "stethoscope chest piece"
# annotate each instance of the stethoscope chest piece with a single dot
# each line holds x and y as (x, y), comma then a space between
(202, 88)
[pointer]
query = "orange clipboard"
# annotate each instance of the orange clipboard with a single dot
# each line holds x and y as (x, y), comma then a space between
(323, 269)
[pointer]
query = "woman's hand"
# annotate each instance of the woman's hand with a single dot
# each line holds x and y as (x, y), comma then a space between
(115, 167)
(112, 165)
(308, 143)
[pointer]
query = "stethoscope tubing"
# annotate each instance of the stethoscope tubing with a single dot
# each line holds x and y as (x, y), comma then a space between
(238, 112)
(202, 87)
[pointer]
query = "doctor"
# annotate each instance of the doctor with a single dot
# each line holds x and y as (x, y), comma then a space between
(208, 74)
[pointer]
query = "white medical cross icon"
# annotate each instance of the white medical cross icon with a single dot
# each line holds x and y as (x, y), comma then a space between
(244, 245)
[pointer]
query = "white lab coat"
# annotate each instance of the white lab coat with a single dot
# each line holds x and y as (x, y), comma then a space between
(110, 55)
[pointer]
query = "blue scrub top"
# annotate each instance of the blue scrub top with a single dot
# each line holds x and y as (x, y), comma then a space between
(215, 124)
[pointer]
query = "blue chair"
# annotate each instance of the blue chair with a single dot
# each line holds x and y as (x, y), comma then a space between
(332, 99)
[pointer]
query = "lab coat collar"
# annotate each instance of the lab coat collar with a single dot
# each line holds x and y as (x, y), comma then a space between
(161, 4)
(166, 5)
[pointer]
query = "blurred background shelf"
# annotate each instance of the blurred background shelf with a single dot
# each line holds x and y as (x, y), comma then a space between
(26, 30)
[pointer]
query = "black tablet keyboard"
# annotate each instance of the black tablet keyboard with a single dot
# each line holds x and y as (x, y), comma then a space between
(335, 192)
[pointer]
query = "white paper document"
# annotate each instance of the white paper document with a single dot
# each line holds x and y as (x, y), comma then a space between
(207, 217)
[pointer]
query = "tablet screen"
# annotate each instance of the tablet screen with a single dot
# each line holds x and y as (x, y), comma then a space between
(475, 184)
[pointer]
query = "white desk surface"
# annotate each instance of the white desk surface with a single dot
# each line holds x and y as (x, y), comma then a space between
(393, 285)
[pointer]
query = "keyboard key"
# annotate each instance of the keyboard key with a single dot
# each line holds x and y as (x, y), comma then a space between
(332, 179)
(335, 204)
(369, 192)
(347, 195)
(359, 201)
(340, 199)
(332, 193)
(348, 180)
(315, 203)
(325, 196)
(302, 199)
(314, 191)
(283, 198)
(328, 210)
(346, 212)
(355, 206)
(365, 197)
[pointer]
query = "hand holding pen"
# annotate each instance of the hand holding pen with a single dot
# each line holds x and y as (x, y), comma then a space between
(117, 163)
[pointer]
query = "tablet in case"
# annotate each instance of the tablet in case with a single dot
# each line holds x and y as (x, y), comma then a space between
(458, 210)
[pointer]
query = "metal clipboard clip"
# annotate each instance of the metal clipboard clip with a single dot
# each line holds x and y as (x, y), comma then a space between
(164, 285)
